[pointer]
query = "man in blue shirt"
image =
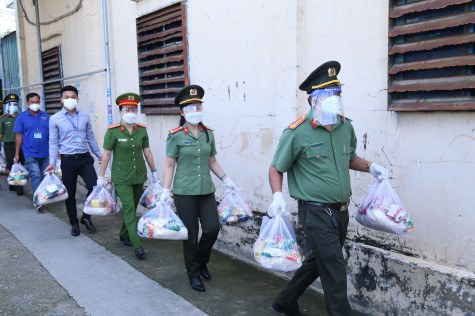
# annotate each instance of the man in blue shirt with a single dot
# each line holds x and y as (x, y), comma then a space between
(71, 134)
(32, 128)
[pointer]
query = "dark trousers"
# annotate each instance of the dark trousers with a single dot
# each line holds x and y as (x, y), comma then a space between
(72, 167)
(191, 209)
(9, 148)
(129, 195)
(326, 261)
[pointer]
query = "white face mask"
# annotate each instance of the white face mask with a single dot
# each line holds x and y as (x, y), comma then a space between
(12, 108)
(331, 105)
(70, 104)
(34, 107)
(129, 118)
(193, 117)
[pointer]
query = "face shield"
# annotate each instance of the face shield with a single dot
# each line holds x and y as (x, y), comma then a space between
(12, 108)
(327, 105)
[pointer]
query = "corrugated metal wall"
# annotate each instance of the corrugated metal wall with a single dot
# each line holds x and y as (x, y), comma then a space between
(10, 62)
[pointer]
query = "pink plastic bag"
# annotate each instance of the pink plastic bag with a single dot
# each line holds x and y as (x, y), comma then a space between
(383, 210)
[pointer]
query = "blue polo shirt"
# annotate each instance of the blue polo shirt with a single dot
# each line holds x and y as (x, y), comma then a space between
(35, 130)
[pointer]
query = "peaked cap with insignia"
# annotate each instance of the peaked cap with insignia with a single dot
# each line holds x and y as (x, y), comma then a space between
(321, 77)
(128, 99)
(11, 98)
(190, 94)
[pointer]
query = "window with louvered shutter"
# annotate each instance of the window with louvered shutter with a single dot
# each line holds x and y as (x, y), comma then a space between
(431, 55)
(163, 58)
(52, 69)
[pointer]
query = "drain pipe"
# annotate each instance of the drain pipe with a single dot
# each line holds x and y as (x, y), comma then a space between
(106, 50)
(40, 56)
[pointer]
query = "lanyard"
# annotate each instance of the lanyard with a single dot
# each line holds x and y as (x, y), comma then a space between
(76, 128)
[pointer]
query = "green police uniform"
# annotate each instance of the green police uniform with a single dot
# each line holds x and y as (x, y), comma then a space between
(193, 188)
(6, 129)
(128, 170)
(317, 164)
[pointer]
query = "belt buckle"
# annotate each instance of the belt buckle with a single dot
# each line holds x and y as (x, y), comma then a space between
(344, 208)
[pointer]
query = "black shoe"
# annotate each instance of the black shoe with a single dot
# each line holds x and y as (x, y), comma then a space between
(205, 272)
(139, 252)
(11, 188)
(196, 284)
(126, 240)
(88, 223)
(286, 312)
(75, 230)
(19, 190)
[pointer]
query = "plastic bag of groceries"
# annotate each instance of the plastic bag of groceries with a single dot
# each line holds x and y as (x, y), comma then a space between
(3, 163)
(57, 170)
(151, 195)
(107, 177)
(50, 190)
(276, 247)
(100, 202)
(18, 175)
(162, 223)
(234, 211)
(383, 210)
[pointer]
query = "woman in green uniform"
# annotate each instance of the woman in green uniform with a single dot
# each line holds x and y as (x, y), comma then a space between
(191, 148)
(127, 141)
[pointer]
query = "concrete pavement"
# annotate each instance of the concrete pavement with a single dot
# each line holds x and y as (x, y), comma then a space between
(102, 276)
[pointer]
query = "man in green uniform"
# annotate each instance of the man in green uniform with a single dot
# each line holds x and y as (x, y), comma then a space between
(7, 121)
(128, 141)
(317, 152)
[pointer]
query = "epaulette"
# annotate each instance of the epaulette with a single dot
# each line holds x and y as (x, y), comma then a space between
(143, 125)
(209, 128)
(115, 125)
(172, 131)
(297, 122)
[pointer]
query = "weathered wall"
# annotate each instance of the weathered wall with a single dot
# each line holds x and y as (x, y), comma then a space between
(250, 56)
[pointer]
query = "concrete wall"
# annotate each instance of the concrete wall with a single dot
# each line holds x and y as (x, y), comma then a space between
(250, 56)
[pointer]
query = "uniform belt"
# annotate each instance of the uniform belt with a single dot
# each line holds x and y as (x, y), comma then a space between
(76, 156)
(342, 207)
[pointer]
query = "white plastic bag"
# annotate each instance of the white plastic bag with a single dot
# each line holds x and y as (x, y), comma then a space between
(57, 170)
(162, 223)
(3, 163)
(151, 195)
(50, 190)
(276, 247)
(100, 202)
(383, 210)
(18, 175)
(234, 211)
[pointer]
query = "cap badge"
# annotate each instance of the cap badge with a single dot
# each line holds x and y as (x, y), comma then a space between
(131, 97)
(193, 92)
(331, 72)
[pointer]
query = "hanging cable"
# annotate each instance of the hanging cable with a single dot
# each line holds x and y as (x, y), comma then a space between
(76, 9)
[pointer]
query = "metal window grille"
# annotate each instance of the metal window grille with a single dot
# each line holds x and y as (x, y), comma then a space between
(52, 69)
(162, 58)
(431, 55)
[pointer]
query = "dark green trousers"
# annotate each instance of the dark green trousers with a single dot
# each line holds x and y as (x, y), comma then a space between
(326, 261)
(195, 209)
(130, 196)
